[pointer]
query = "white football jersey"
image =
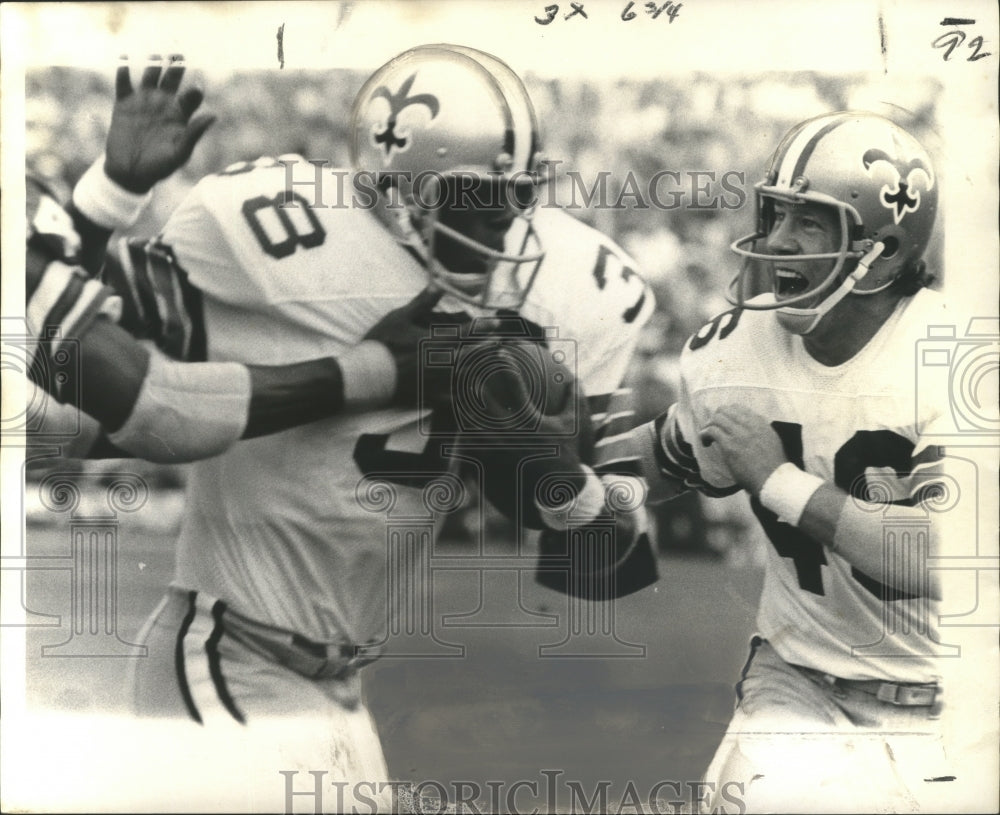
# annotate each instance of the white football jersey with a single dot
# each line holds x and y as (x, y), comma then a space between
(859, 424)
(286, 528)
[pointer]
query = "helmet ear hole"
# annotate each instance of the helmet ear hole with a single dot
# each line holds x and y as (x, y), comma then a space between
(891, 247)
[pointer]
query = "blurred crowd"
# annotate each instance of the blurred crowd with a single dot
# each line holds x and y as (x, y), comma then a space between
(707, 132)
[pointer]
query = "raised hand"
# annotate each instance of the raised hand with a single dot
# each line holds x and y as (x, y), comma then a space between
(154, 129)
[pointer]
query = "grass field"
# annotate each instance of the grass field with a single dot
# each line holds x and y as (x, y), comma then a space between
(500, 711)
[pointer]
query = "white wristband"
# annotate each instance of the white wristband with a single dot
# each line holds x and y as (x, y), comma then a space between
(369, 374)
(186, 411)
(581, 509)
(104, 202)
(787, 490)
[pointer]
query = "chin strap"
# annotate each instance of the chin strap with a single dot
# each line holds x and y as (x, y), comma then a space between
(795, 319)
(409, 235)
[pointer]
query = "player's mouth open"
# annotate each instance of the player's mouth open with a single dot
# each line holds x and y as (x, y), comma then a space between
(788, 283)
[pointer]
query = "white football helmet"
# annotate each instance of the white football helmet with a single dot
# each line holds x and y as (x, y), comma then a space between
(881, 183)
(440, 116)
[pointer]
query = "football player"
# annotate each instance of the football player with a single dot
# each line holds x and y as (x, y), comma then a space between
(803, 397)
(144, 403)
(279, 594)
(139, 402)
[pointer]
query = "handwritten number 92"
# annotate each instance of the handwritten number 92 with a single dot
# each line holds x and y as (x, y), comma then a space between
(950, 40)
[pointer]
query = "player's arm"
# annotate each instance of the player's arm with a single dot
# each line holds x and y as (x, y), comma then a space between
(161, 409)
(598, 540)
(647, 464)
(154, 129)
(596, 544)
(62, 425)
(845, 525)
(660, 453)
(164, 410)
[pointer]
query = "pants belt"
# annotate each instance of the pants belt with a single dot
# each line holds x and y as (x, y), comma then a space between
(313, 659)
(356, 656)
(903, 694)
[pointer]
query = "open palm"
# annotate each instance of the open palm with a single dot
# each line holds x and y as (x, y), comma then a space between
(154, 128)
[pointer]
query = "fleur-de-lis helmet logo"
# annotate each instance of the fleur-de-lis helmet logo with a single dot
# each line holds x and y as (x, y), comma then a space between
(398, 102)
(903, 195)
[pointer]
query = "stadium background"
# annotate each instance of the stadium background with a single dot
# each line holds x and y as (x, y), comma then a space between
(499, 712)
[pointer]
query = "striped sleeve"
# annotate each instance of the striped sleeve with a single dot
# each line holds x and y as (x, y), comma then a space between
(613, 416)
(61, 305)
(675, 457)
(612, 556)
(62, 301)
(60, 298)
(664, 458)
(159, 302)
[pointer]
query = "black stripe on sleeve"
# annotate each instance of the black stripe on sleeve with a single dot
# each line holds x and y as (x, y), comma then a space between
(115, 276)
(616, 414)
(599, 402)
(64, 304)
(144, 289)
(664, 461)
(162, 276)
(675, 458)
(195, 345)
